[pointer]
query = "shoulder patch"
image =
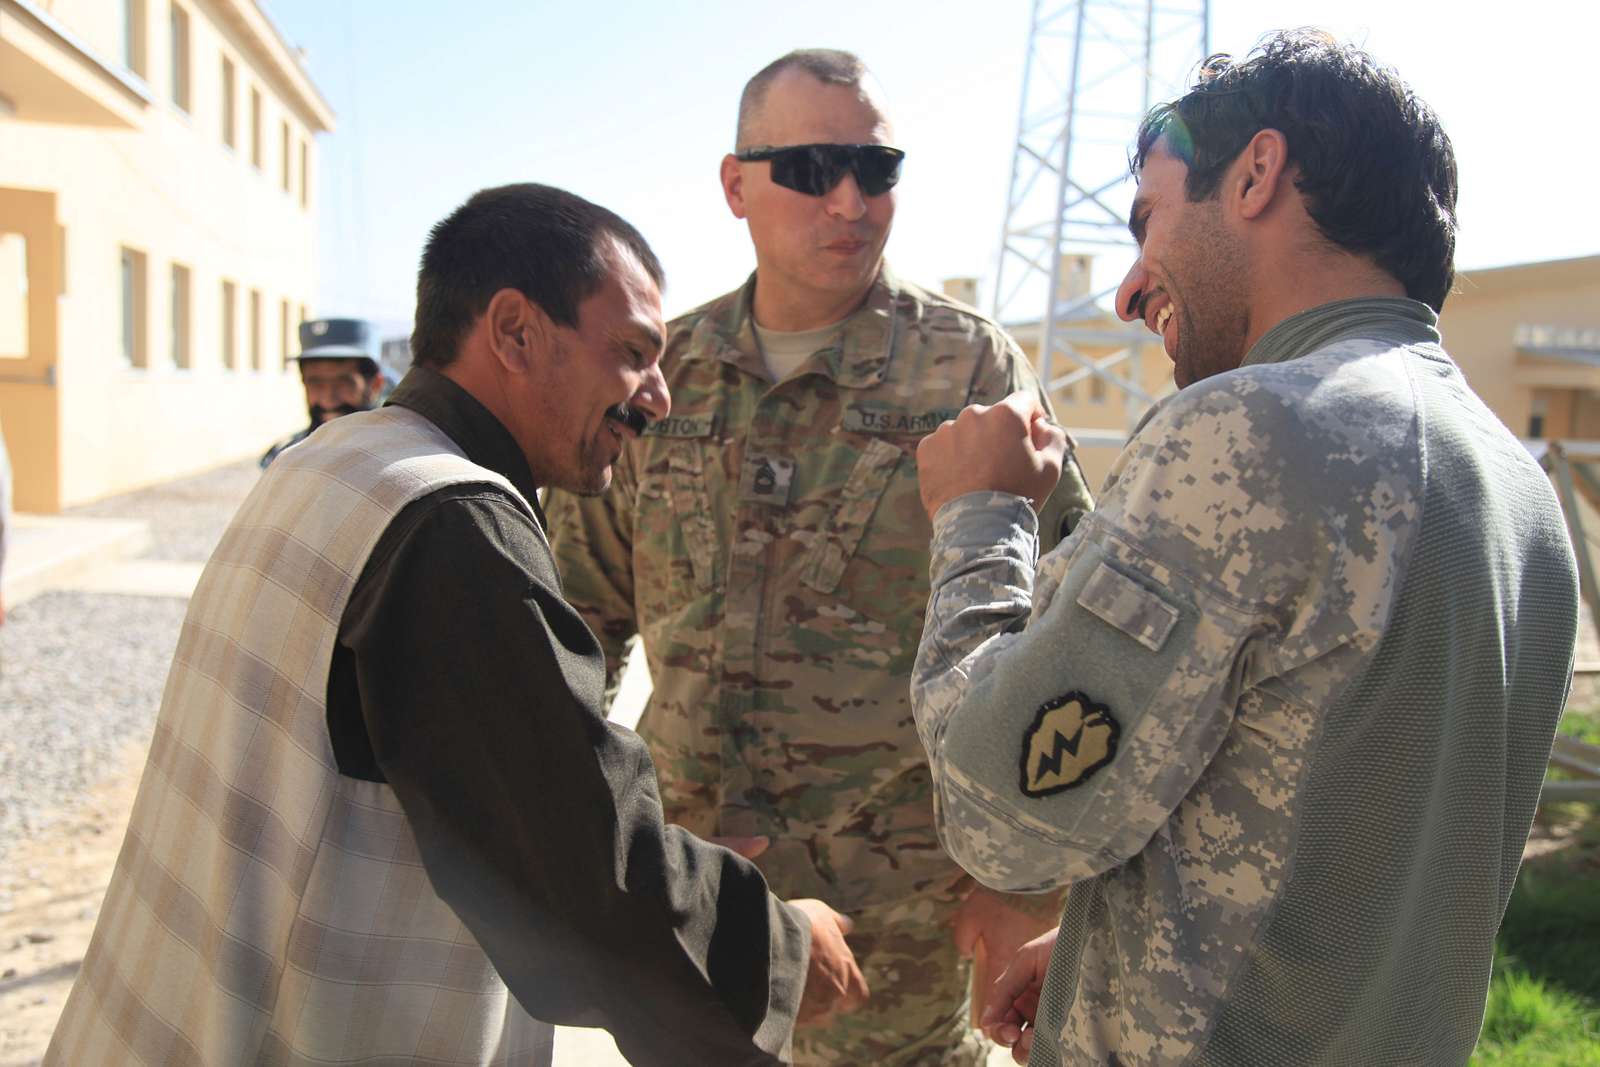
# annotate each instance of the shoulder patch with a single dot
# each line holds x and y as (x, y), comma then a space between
(1071, 738)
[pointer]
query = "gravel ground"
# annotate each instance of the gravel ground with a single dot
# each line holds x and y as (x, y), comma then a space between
(187, 516)
(81, 674)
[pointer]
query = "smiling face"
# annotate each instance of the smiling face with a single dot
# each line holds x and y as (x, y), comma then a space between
(1191, 281)
(812, 250)
(595, 380)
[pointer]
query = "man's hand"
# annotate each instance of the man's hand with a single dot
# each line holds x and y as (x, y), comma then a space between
(1011, 446)
(986, 916)
(1013, 1006)
(833, 981)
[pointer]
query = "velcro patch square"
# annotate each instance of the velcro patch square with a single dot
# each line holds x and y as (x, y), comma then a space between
(1115, 598)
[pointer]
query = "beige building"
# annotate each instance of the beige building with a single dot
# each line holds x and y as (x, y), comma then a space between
(157, 239)
(1528, 339)
(1526, 336)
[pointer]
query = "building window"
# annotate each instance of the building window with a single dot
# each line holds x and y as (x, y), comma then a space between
(305, 175)
(180, 316)
(230, 326)
(286, 156)
(133, 35)
(1539, 412)
(283, 330)
(13, 296)
(255, 329)
(1097, 389)
(180, 57)
(255, 127)
(133, 309)
(229, 105)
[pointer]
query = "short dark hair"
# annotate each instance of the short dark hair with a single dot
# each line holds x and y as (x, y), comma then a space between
(544, 242)
(1376, 169)
(830, 66)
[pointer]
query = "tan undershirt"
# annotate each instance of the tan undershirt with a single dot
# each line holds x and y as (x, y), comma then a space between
(784, 352)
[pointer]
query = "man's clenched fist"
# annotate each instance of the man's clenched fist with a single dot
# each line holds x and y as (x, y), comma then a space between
(1012, 447)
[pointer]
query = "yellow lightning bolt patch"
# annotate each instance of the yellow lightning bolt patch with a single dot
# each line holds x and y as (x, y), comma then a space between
(1071, 738)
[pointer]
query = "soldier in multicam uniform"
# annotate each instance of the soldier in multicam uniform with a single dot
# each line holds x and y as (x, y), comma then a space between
(1279, 709)
(767, 543)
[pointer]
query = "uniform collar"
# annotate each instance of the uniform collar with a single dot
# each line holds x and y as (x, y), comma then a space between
(1392, 320)
(859, 358)
(482, 438)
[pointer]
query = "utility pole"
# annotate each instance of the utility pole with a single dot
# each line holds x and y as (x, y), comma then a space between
(1094, 68)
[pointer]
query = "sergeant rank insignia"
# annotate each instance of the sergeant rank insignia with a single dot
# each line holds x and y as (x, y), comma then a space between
(1071, 738)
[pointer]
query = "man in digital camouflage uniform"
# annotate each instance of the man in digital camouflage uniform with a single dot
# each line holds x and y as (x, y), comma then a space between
(767, 542)
(1279, 710)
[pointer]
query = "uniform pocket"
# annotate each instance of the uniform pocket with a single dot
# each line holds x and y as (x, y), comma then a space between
(686, 488)
(830, 552)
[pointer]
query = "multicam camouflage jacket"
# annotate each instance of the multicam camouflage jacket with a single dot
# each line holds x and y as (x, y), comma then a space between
(769, 544)
(1279, 713)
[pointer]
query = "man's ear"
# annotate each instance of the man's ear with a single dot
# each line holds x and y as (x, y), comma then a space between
(733, 185)
(1260, 174)
(518, 330)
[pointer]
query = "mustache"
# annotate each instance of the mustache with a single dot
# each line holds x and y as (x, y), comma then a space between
(632, 418)
(317, 411)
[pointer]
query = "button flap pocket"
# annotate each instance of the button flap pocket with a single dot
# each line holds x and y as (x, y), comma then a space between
(686, 474)
(837, 541)
(1138, 612)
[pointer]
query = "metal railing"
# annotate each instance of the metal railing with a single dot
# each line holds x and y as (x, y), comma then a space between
(1576, 758)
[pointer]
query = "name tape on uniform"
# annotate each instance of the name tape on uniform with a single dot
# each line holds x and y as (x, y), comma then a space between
(682, 426)
(888, 420)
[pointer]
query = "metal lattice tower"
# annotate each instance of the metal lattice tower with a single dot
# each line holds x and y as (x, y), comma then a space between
(1094, 68)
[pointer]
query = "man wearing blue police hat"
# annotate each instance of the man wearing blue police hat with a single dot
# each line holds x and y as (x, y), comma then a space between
(339, 371)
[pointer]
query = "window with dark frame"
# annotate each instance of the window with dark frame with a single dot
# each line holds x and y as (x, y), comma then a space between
(286, 155)
(283, 330)
(255, 127)
(133, 50)
(179, 56)
(230, 133)
(255, 329)
(230, 325)
(180, 317)
(133, 308)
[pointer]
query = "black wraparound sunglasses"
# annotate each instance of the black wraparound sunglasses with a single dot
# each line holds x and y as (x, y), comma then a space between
(814, 169)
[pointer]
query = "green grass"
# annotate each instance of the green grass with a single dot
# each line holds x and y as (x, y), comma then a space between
(1544, 997)
(1584, 724)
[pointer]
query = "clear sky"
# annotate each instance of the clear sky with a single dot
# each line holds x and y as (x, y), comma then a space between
(632, 104)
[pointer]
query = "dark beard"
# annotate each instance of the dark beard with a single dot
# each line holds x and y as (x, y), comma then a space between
(318, 411)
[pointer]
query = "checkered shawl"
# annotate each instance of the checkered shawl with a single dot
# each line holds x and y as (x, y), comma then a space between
(264, 909)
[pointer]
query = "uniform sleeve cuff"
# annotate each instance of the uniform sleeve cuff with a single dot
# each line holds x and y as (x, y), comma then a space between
(987, 519)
